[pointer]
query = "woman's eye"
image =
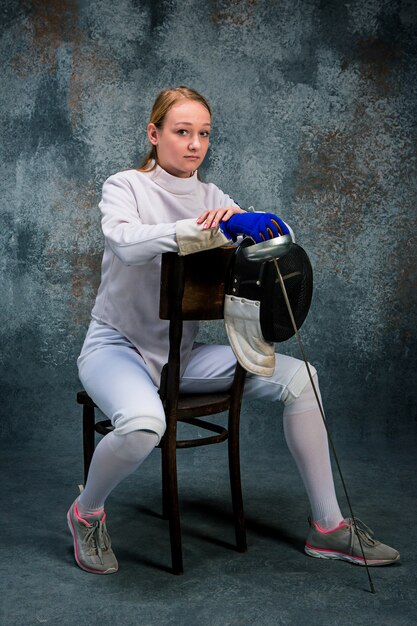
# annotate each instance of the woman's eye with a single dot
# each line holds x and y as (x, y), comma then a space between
(205, 133)
(182, 131)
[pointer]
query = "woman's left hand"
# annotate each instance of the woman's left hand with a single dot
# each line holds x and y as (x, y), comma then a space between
(213, 218)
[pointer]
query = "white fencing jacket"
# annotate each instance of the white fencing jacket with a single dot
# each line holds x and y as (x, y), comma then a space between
(143, 215)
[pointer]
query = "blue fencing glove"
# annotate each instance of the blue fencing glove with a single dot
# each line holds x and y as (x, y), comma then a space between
(259, 226)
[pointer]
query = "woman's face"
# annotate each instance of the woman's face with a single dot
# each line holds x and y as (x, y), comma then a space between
(183, 140)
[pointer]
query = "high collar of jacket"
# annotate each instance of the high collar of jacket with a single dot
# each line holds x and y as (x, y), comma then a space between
(174, 184)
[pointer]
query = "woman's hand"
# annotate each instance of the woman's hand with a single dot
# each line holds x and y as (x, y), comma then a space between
(212, 219)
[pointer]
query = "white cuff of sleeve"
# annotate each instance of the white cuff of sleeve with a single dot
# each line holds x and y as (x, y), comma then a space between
(191, 237)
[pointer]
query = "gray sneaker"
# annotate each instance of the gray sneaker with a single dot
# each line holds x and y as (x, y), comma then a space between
(342, 543)
(92, 546)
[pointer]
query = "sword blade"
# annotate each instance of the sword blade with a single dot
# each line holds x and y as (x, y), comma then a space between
(301, 346)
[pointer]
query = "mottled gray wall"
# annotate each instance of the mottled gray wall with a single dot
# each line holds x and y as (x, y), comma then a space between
(314, 116)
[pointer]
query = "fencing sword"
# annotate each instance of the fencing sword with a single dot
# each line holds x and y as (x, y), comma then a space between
(271, 250)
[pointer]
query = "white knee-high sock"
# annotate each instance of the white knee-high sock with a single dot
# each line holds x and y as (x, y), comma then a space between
(306, 437)
(115, 457)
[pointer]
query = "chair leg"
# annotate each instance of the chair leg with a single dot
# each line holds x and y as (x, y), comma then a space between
(165, 508)
(169, 480)
(235, 480)
(88, 437)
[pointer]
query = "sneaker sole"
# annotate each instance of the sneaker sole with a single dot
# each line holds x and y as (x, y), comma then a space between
(342, 556)
(90, 570)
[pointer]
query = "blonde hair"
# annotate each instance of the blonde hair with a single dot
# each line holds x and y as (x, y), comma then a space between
(165, 100)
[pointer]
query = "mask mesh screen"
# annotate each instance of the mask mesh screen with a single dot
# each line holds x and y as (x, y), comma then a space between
(297, 273)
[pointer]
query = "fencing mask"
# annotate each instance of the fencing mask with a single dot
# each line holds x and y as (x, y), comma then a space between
(255, 312)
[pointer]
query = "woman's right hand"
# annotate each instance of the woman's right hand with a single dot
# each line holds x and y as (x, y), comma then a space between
(212, 219)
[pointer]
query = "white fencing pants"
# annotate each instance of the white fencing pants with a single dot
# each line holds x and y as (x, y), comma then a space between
(117, 379)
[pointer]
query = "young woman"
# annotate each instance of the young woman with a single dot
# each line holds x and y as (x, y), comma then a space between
(164, 207)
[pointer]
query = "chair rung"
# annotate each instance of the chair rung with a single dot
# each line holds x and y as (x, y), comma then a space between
(104, 427)
(204, 441)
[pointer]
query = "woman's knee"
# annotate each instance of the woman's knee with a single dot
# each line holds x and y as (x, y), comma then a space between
(302, 387)
(127, 420)
(286, 384)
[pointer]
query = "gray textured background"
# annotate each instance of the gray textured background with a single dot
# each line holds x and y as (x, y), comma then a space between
(314, 117)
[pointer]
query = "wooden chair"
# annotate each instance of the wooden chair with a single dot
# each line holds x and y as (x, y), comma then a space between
(192, 288)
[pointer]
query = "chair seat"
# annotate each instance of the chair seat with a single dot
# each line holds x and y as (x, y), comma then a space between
(196, 405)
(189, 405)
(84, 399)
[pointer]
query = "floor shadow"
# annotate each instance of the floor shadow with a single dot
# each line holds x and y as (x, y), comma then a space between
(203, 511)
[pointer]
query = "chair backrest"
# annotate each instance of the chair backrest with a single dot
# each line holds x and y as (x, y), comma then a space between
(195, 284)
(192, 288)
